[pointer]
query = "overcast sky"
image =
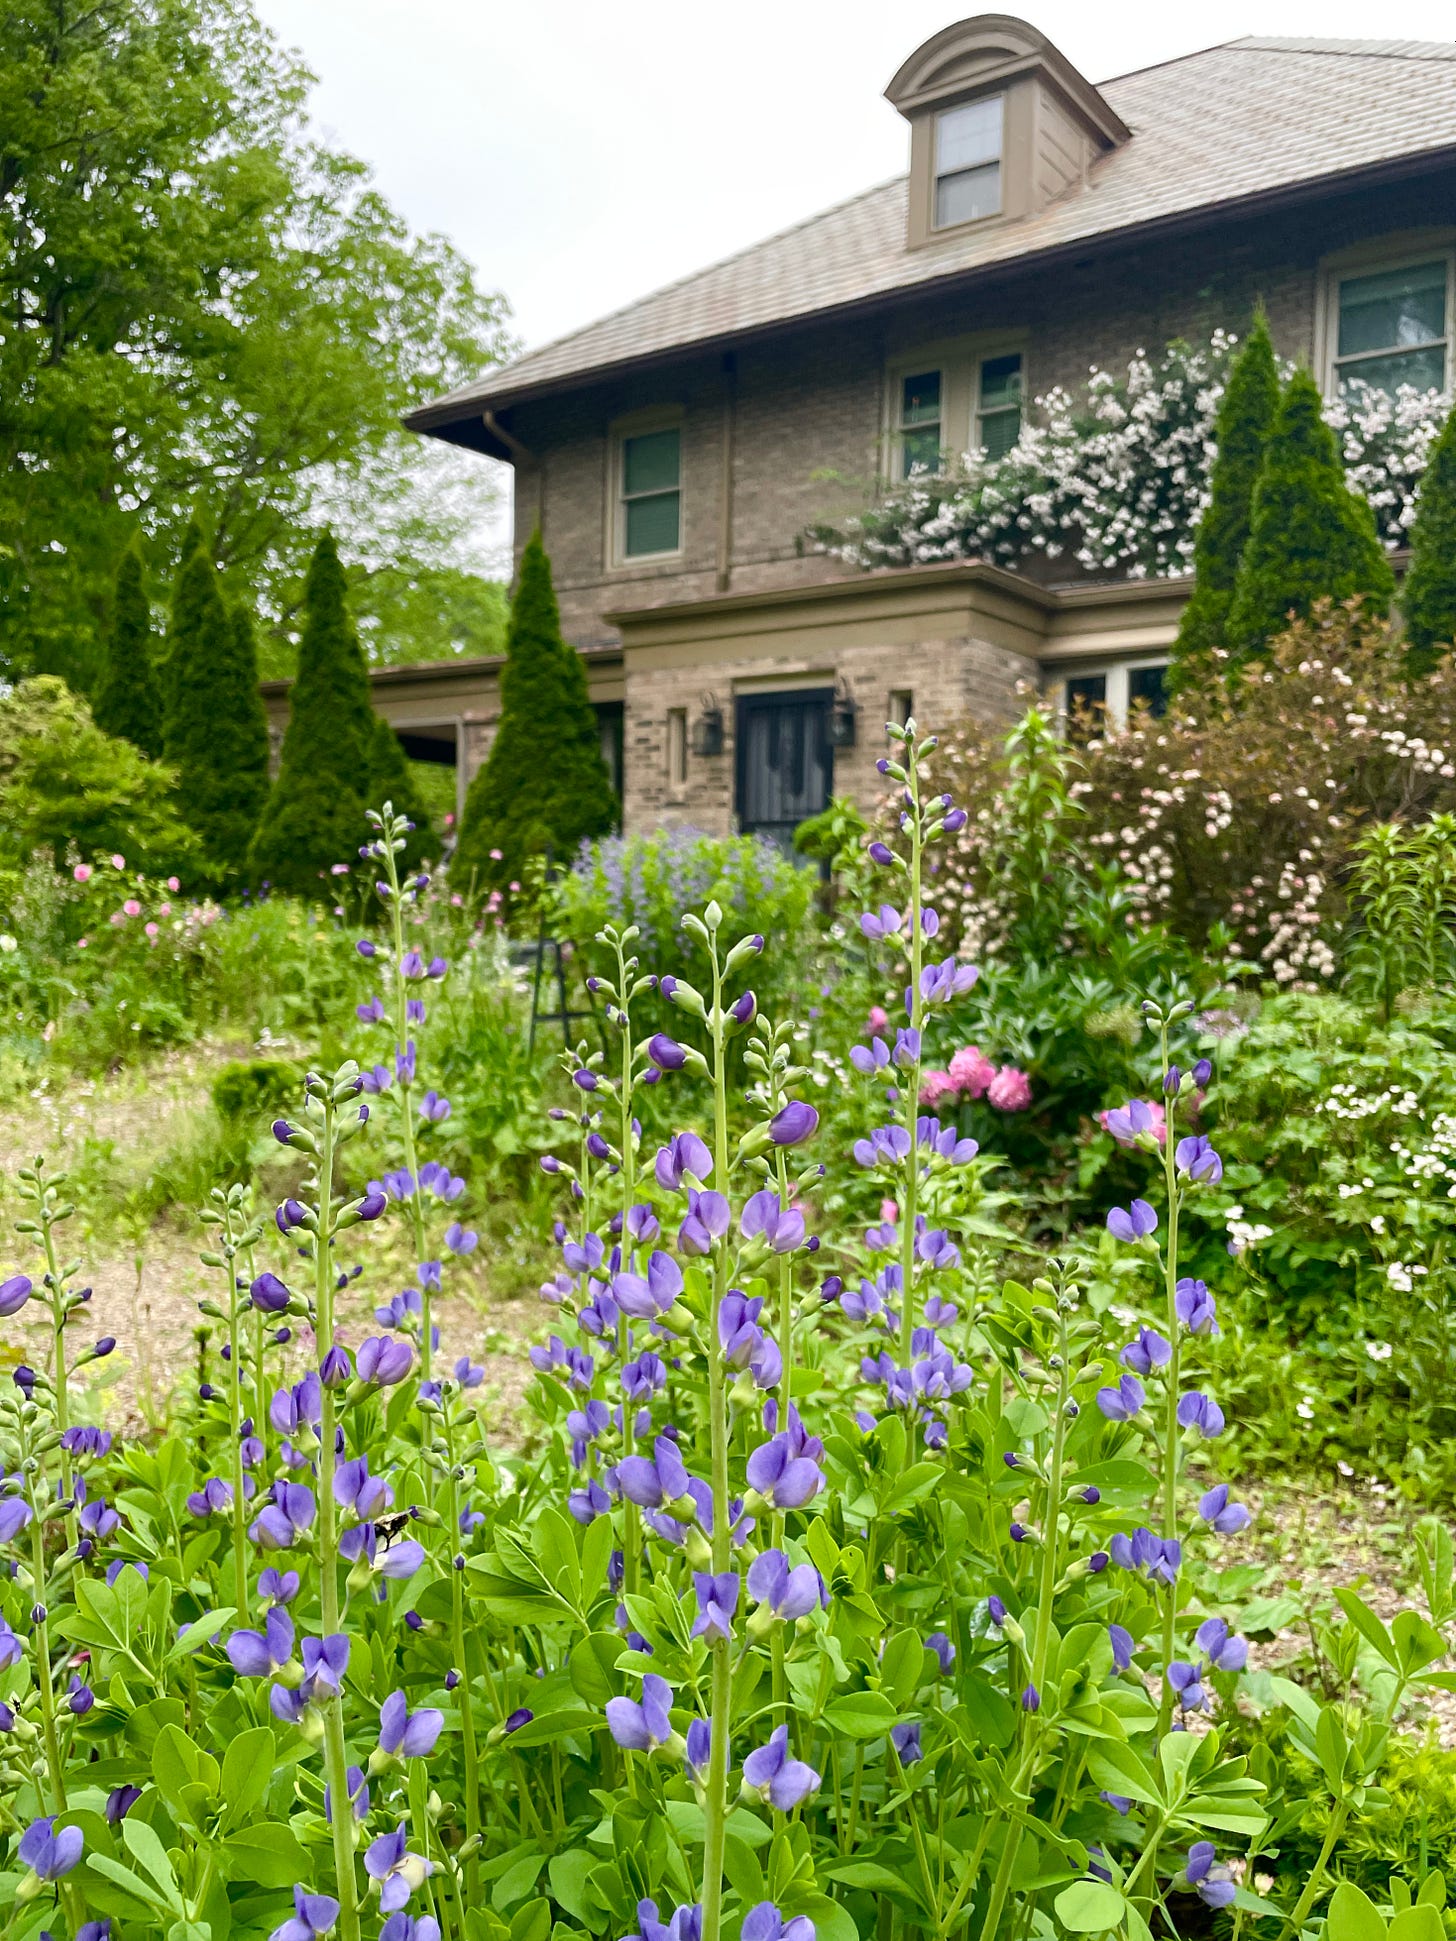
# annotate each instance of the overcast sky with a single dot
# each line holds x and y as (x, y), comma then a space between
(582, 154)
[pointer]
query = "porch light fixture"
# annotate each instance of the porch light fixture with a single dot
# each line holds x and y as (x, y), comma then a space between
(843, 717)
(708, 729)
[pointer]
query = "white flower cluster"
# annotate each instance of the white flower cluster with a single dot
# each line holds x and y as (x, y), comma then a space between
(1118, 481)
(1242, 1233)
(1349, 1102)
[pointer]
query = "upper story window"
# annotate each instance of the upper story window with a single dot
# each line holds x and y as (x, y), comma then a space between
(920, 433)
(968, 161)
(1393, 327)
(650, 474)
(963, 401)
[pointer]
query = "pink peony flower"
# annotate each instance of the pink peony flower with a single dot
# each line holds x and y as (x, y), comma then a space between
(82, 872)
(118, 862)
(173, 884)
(1009, 1090)
(164, 909)
(971, 1071)
(935, 1086)
(152, 929)
(132, 907)
(878, 1017)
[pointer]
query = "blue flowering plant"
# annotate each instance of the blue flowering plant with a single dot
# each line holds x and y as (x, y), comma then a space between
(828, 1588)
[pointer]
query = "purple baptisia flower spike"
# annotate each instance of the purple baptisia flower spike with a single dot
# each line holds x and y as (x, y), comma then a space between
(314, 1915)
(1131, 1223)
(784, 1782)
(644, 1727)
(404, 1734)
(1197, 1160)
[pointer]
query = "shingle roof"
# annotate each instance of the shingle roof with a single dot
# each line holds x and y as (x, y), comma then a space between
(1240, 120)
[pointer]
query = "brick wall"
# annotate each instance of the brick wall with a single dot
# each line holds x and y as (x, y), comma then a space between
(948, 678)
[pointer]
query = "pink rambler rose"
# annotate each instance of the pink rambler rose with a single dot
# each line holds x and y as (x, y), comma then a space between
(1009, 1090)
(132, 907)
(173, 884)
(935, 1086)
(118, 862)
(82, 872)
(971, 1071)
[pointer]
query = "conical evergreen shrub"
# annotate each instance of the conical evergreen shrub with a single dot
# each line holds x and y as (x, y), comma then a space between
(128, 693)
(1428, 597)
(544, 783)
(216, 732)
(1241, 429)
(1310, 537)
(314, 816)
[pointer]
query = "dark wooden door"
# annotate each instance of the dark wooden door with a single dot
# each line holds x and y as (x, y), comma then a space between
(785, 763)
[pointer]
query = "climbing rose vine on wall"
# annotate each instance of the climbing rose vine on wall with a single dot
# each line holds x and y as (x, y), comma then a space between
(1115, 481)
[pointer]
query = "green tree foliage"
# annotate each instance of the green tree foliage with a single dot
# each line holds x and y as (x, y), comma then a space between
(128, 692)
(1310, 536)
(1428, 597)
(314, 816)
(216, 732)
(544, 783)
(1241, 430)
(64, 785)
(251, 337)
(406, 614)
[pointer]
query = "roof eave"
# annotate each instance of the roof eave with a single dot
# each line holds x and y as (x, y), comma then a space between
(463, 425)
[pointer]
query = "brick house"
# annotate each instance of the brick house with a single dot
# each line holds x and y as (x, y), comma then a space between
(673, 452)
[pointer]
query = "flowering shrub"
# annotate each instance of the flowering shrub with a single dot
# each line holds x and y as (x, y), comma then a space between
(1232, 822)
(1116, 482)
(837, 1580)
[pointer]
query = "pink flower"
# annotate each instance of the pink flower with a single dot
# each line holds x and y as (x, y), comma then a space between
(118, 862)
(935, 1086)
(450, 821)
(457, 901)
(173, 884)
(496, 855)
(164, 909)
(82, 943)
(339, 869)
(82, 872)
(889, 1210)
(878, 1017)
(152, 929)
(971, 1071)
(132, 907)
(116, 917)
(1009, 1090)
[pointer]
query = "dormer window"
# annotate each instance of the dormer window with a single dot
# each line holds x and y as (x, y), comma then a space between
(1000, 123)
(968, 161)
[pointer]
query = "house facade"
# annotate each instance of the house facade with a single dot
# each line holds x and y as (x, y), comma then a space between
(674, 453)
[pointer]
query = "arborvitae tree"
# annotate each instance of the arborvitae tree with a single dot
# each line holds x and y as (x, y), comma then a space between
(1241, 430)
(390, 780)
(1428, 597)
(315, 817)
(1310, 537)
(216, 730)
(128, 694)
(544, 781)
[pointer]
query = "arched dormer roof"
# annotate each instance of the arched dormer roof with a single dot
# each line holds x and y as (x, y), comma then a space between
(988, 51)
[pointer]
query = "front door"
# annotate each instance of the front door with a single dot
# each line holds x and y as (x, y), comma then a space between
(785, 761)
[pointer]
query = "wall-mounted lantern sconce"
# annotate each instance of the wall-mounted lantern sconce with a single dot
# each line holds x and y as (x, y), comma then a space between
(708, 729)
(843, 717)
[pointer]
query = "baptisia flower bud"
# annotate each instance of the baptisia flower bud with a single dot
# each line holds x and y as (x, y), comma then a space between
(741, 953)
(679, 992)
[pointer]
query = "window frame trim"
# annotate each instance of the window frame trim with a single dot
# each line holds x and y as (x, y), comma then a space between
(1115, 673)
(1400, 250)
(938, 229)
(639, 424)
(958, 360)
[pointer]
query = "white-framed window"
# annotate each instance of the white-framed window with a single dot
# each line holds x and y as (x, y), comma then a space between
(902, 705)
(1110, 693)
(968, 142)
(956, 397)
(647, 489)
(1387, 314)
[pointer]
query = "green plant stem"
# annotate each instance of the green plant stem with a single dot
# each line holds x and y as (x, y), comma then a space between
(715, 1805)
(56, 1283)
(335, 1755)
(43, 1674)
(911, 1101)
(627, 1146)
(403, 1090)
(458, 1647)
(1294, 1925)
(1171, 1438)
